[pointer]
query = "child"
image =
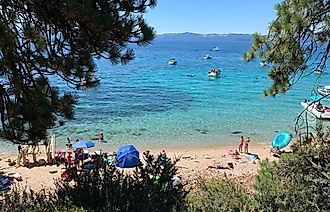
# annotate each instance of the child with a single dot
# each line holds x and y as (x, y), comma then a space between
(240, 146)
(246, 147)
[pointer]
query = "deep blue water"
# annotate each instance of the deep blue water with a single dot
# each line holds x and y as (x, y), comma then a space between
(152, 104)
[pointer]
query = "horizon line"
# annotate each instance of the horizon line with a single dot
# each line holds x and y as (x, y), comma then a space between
(212, 33)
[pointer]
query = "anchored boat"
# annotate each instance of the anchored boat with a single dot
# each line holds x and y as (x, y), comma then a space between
(317, 109)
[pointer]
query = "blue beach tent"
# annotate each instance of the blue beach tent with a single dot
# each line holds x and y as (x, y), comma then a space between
(281, 140)
(127, 157)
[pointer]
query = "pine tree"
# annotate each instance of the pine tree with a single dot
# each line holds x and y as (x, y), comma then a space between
(59, 39)
(297, 42)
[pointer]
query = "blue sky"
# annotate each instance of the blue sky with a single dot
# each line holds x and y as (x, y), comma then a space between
(212, 16)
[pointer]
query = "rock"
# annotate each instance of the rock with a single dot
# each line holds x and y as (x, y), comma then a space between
(136, 133)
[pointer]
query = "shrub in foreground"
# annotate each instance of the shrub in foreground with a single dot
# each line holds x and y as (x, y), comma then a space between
(148, 187)
(219, 195)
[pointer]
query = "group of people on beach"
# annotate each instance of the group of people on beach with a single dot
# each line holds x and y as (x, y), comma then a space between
(244, 143)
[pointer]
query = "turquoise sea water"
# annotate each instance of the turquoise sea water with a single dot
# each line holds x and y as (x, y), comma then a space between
(152, 104)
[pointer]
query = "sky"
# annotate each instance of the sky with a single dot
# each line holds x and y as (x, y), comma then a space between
(212, 16)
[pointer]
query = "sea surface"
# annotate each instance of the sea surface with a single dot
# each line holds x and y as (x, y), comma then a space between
(151, 104)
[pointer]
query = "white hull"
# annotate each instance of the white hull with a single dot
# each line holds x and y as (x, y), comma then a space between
(324, 92)
(214, 73)
(311, 108)
(172, 62)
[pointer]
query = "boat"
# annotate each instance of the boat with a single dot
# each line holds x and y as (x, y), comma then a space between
(325, 91)
(317, 109)
(262, 64)
(214, 73)
(216, 48)
(172, 61)
(90, 81)
(207, 57)
(318, 71)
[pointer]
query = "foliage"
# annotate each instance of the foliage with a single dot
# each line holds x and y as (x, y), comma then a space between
(26, 200)
(297, 42)
(147, 188)
(219, 195)
(43, 41)
(297, 183)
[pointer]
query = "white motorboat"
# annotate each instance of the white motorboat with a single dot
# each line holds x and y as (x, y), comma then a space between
(172, 61)
(216, 48)
(262, 64)
(214, 73)
(318, 71)
(207, 57)
(317, 109)
(325, 91)
(90, 81)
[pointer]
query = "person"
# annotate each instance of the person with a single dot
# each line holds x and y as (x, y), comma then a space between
(241, 143)
(101, 136)
(246, 146)
(163, 156)
(69, 145)
(19, 149)
(319, 107)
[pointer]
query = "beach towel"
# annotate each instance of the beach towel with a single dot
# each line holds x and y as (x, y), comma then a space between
(232, 152)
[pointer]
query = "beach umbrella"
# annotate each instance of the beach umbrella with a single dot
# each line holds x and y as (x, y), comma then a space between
(281, 140)
(83, 144)
(127, 157)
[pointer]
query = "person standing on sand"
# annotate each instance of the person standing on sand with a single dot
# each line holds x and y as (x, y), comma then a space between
(241, 143)
(246, 146)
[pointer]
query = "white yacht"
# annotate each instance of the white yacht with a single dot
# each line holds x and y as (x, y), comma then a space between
(214, 73)
(317, 109)
(262, 64)
(172, 61)
(207, 57)
(216, 48)
(325, 91)
(90, 81)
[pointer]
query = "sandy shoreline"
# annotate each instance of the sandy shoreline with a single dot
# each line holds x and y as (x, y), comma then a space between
(194, 163)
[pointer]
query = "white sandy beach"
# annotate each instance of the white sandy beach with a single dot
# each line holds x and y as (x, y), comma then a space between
(194, 163)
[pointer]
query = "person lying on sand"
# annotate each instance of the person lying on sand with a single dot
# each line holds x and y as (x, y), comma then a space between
(230, 166)
(276, 152)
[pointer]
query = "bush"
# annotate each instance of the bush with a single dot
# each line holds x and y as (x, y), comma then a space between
(297, 183)
(148, 188)
(219, 195)
(26, 200)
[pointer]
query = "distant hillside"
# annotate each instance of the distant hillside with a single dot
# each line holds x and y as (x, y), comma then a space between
(188, 36)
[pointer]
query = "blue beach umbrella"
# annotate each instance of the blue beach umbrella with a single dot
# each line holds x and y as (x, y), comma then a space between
(83, 144)
(127, 157)
(281, 140)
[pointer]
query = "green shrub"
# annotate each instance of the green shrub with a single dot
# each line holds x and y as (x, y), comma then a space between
(19, 199)
(148, 188)
(219, 195)
(296, 183)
